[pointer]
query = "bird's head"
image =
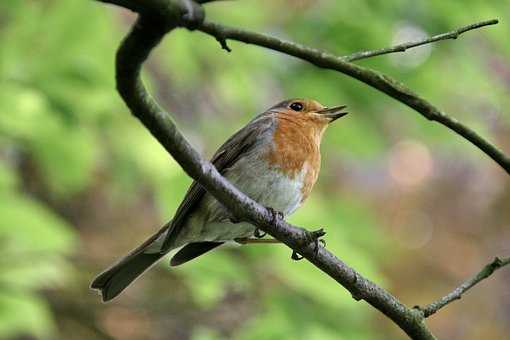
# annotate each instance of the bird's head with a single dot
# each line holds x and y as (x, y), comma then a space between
(308, 111)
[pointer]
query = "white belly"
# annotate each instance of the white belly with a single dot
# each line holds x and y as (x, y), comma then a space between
(211, 221)
(266, 186)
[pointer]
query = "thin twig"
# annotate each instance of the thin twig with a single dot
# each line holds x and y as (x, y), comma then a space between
(456, 294)
(370, 77)
(405, 46)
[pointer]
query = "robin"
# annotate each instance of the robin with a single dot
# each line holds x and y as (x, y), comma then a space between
(275, 160)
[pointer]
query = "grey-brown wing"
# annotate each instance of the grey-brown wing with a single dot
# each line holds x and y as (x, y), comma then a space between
(231, 151)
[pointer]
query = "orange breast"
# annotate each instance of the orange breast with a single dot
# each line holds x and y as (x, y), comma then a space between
(296, 151)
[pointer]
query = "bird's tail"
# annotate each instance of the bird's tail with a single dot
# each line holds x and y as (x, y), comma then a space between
(115, 279)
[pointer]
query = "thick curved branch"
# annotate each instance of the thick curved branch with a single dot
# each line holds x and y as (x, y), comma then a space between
(144, 36)
(405, 46)
(375, 79)
(457, 293)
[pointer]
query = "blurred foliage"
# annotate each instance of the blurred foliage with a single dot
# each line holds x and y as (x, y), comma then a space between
(81, 182)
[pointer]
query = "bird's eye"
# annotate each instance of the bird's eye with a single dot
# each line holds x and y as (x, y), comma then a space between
(296, 106)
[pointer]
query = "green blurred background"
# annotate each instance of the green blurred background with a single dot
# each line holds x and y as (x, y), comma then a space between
(409, 204)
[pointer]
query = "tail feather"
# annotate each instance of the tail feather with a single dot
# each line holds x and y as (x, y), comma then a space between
(115, 279)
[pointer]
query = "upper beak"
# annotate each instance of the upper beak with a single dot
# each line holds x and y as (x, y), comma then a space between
(333, 113)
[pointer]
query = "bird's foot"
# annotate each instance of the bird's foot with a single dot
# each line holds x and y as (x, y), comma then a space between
(275, 215)
(311, 237)
(296, 256)
(259, 233)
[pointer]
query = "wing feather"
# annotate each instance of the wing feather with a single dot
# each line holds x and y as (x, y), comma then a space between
(227, 155)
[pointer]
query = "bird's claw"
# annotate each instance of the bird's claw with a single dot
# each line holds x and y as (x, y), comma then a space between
(275, 215)
(296, 256)
(311, 237)
(259, 233)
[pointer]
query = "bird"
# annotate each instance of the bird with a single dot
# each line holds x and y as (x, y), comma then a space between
(274, 159)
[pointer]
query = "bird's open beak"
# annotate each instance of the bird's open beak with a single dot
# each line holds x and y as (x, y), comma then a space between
(333, 113)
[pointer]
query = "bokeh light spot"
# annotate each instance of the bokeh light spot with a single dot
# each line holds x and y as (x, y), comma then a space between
(410, 163)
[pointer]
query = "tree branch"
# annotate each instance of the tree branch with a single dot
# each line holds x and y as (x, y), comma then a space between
(405, 46)
(372, 78)
(457, 293)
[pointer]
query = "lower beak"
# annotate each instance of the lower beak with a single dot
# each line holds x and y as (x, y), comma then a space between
(333, 113)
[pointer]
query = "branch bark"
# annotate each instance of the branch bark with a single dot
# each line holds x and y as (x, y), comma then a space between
(159, 17)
